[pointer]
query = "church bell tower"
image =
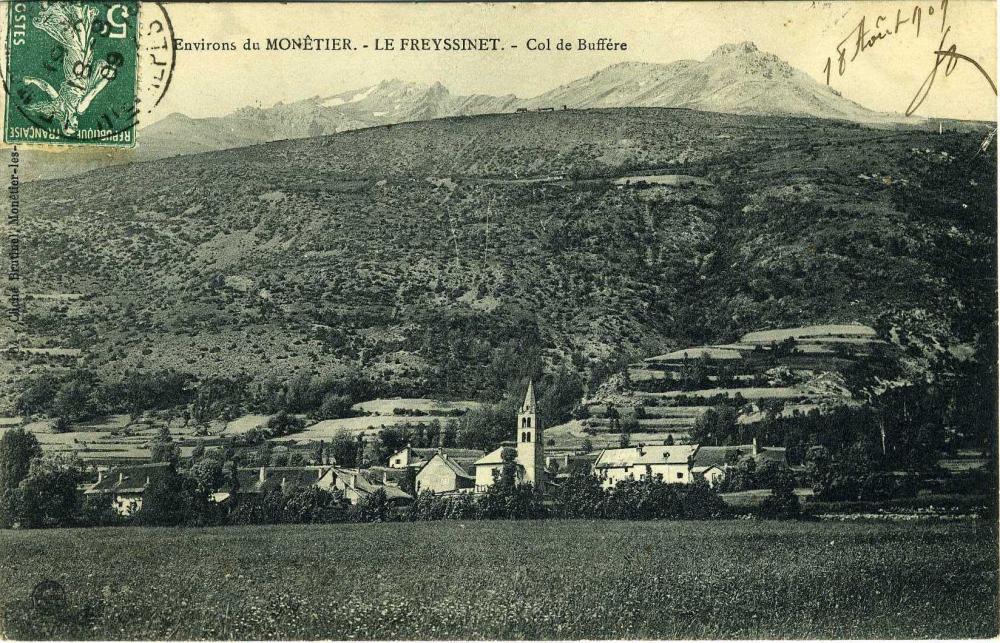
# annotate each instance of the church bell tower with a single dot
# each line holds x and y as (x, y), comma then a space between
(530, 441)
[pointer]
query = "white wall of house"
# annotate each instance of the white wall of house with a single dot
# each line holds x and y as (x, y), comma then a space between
(436, 477)
(671, 473)
(400, 460)
(485, 475)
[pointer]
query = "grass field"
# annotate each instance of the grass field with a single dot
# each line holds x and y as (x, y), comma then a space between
(509, 580)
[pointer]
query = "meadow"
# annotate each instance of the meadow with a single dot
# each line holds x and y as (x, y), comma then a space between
(503, 580)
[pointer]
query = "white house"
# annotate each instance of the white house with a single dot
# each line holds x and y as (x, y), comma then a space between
(530, 450)
(713, 475)
(672, 464)
(442, 474)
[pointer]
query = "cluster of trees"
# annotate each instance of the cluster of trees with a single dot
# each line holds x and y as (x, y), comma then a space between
(80, 395)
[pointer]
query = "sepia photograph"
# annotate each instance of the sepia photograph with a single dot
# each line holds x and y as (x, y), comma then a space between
(483, 321)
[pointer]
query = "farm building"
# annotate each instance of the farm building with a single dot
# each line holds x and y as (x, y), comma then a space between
(729, 456)
(443, 474)
(127, 485)
(258, 480)
(713, 475)
(356, 486)
(353, 483)
(562, 464)
(530, 450)
(417, 458)
(672, 464)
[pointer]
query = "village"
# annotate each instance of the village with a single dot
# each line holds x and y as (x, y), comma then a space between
(449, 471)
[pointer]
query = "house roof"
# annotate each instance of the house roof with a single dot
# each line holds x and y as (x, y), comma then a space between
(422, 455)
(452, 453)
(719, 456)
(493, 457)
(640, 455)
(274, 478)
(131, 479)
(455, 467)
(704, 469)
(359, 481)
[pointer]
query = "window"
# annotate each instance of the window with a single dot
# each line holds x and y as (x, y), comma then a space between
(527, 437)
(399, 460)
(680, 475)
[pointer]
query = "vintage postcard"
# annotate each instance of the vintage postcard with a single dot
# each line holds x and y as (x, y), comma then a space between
(519, 321)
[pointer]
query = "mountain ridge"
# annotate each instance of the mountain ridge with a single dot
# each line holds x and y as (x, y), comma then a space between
(736, 78)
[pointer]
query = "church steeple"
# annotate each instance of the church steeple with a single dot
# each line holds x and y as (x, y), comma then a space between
(529, 399)
(530, 448)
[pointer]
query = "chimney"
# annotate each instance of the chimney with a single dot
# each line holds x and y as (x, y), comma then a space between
(753, 448)
(100, 476)
(121, 477)
(263, 475)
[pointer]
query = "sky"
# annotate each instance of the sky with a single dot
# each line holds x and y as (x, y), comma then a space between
(883, 77)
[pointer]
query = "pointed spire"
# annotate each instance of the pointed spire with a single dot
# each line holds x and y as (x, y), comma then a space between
(529, 399)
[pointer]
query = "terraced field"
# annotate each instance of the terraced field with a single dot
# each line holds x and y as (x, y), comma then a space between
(798, 369)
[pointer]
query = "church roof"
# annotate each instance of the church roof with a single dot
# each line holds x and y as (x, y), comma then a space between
(529, 399)
(493, 457)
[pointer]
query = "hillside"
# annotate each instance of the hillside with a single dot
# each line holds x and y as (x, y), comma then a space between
(735, 78)
(449, 257)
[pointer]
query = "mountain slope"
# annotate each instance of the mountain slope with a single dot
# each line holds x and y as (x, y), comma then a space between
(447, 257)
(735, 78)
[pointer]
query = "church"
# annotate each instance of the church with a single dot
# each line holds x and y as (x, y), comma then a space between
(530, 450)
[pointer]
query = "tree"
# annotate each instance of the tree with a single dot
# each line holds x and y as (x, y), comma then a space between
(49, 496)
(587, 446)
(162, 448)
(281, 423)
(374, 507)
(207, 474)
(334, 406)
(18, 448)
(343, 449)
(580, 496)
(624, 440)
(782, 503)
(72, 401)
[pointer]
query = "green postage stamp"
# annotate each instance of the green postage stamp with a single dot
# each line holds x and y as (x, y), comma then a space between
(70, 76)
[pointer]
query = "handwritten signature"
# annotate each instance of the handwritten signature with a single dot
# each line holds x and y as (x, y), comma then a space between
(949, 58)
(865, 35)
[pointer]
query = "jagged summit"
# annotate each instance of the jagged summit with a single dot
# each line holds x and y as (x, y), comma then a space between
(728, 49)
